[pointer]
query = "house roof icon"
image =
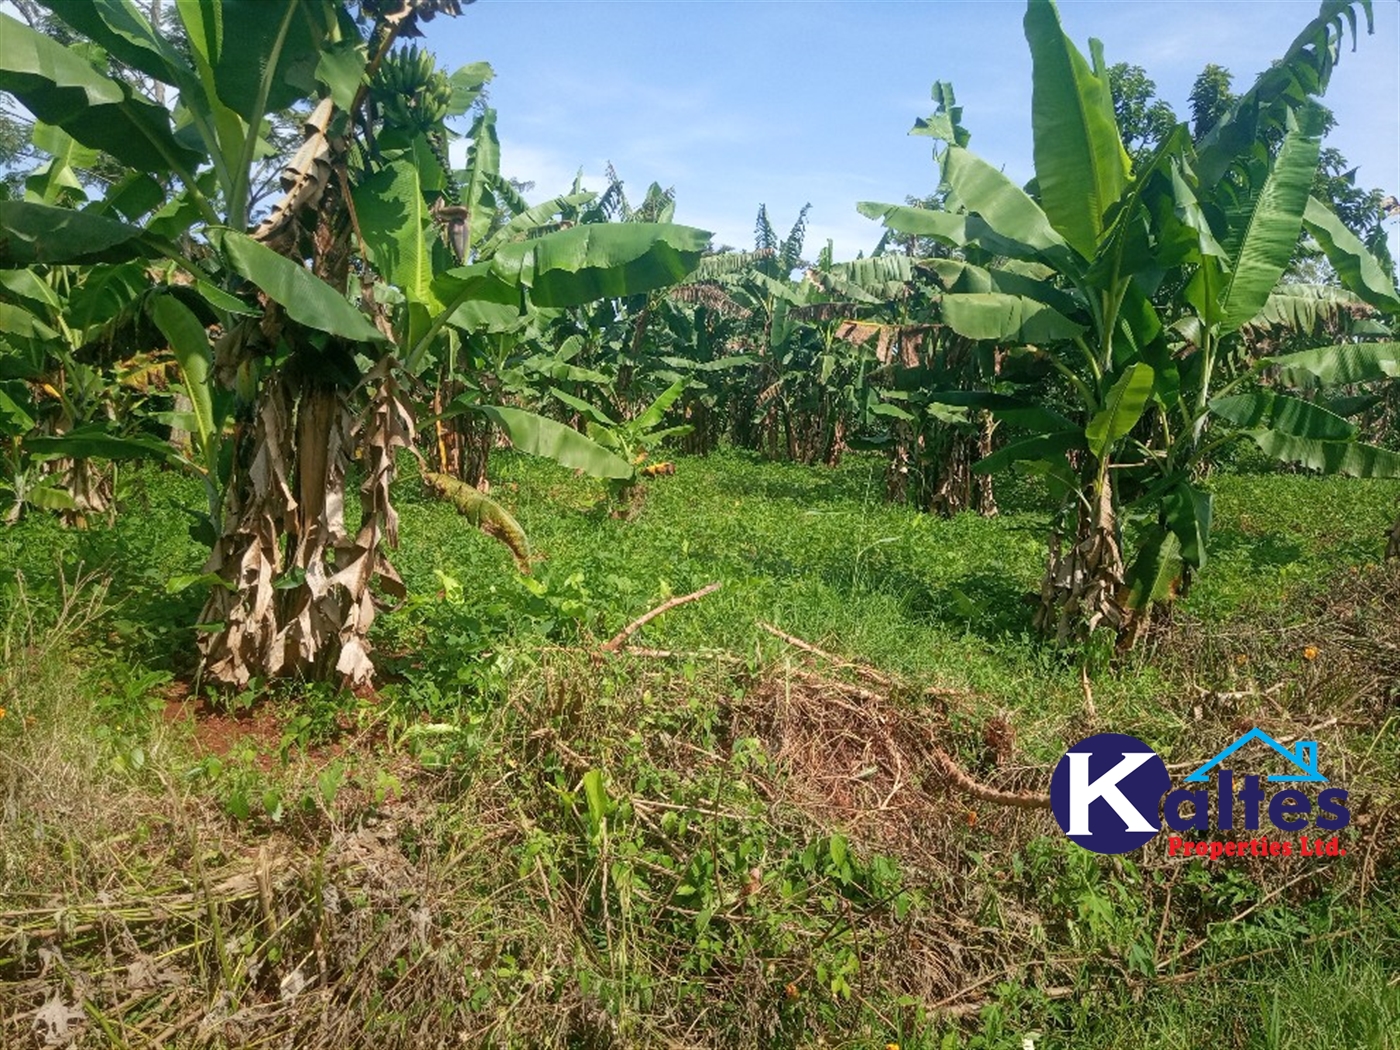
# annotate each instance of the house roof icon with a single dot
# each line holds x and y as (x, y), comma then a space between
(1303, 756)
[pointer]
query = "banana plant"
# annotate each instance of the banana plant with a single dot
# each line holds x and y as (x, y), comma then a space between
(321, 312)
(71, 408)
(630, 441)
(1133, 282)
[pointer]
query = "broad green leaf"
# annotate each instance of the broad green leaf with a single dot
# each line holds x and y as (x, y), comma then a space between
(1048, 447)
(960, 276)
(1191, 217)
(483, 165)
(890, 411)
(579, 405)
(48, 496)
(1205, 289)
(18, 322)
(1004, 207)
(14, 417)
(204, 29)
(562, 371)
(96, 442)
(1302, 73)
(251, 42)
(66, 153)
(341, 68)
(26, 284)
(50, 181)
(531, 219)
(1158, 223)
(1268, 236)
(1007, 318)
(190, 345)
(943, 226)
(654, 412)
(1140, 327)
(1188, 511)
(176, 584)
(467, 83)
(539, 436)
(481, 316)
(945, 124)
(596, 795)
(1263, 409)
(1121, 410)
(1352, 458)
(1305, 308)
(719, 364)
(132, 197)
(1353, 405)
(106, 292)
(881, 275)
(480, 299)
(1014, 410)
(307, 299)
(1156, 570)
(59, 87)
(603, 261)
(221, 300)
(394, 221)
(1353, 261)
(1339, 365)
(1080, 163)
(41, 233)
(125, 32)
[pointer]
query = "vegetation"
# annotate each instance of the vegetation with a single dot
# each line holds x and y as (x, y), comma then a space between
(740, 734)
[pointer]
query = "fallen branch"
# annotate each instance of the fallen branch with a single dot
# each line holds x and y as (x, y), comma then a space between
(793, 640)
(615, 643)
(964, 783)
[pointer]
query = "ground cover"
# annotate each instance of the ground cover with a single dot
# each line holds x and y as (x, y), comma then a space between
(722, 839)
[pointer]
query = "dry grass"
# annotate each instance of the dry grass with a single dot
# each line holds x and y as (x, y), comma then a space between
(476, 907)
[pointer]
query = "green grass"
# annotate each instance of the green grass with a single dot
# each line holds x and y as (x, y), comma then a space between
(518, 844)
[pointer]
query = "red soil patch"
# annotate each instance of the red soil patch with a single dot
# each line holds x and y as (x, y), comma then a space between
(216, 732)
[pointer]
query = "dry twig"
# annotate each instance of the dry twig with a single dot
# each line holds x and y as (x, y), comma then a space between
(615, 642)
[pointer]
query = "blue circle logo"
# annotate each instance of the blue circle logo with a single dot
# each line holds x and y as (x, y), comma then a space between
(1107, 791)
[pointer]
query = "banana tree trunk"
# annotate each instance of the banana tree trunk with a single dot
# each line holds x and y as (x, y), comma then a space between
(298, 595)
(901, 463)
(475, 439)
(984, 498)
(240, 630)
(1392, 549)
(1083, 583)
(836, 444)
(463, 443)
(89, 486)
(948, 481)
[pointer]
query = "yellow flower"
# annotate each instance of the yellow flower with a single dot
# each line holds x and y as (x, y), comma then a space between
(891, 1046)
(1310, 652)
(2, 712)
(1241, 660)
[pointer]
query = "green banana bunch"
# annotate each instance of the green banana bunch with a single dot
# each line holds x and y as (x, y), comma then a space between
(410, 90)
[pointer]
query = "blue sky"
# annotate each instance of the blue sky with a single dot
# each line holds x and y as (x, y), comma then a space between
(742, 102)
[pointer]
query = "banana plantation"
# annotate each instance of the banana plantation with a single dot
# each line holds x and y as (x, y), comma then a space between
(434, 613)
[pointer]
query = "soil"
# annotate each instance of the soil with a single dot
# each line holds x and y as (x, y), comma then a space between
(217, 731)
